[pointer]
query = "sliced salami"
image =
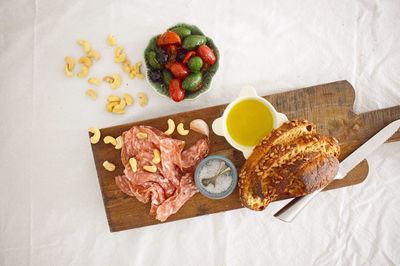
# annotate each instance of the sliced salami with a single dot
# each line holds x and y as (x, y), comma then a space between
(172, 184)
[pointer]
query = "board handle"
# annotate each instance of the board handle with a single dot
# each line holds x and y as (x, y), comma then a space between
(378, 119)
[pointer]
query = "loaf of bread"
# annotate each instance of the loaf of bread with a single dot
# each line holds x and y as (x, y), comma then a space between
(292, 161)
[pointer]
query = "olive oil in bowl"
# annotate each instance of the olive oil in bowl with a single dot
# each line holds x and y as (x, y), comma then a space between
(249, 121)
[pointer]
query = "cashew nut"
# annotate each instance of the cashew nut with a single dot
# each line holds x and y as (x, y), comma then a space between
(117, 82)
(96, 135)
(119, 54)
(126, 67)
(121, 58)
(109, 166)
(114, 80)
(128, 99)
(67, 71)
(69, 66)
(92, 54)
(135, 70)
(118, 51)
(110, 106)
(70, 62)
(113, 98)
(133, 164)
(120, 107)
(121, 104)
(109, 139)
(120, 142)
(143, 100)
(118, 111)
(171, 127)
(86, 61)
(181, 130)
(150, 168)
(85, 45)
(84, 72)
(115, 104)
(108, 79)
(156, 156)
(141, 135)
(111, 41)
(94, 81)
(92, 94)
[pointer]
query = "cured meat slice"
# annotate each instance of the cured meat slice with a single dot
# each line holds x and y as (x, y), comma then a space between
(144, 192)
(171, 150)
(144, 177)
(170, 206)
(172, 184)
(194, 154)
(140, 149)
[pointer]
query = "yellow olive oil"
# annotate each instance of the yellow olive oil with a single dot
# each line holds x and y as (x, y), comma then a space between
(249, 121)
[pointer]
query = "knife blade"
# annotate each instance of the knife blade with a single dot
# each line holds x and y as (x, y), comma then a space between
(294, 207)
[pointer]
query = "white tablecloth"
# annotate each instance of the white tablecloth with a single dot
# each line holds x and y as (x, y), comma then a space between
(51, 210)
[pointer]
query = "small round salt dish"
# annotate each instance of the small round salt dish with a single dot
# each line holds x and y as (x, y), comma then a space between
(216, 177)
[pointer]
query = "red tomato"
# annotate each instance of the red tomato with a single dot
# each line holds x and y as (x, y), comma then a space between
(188, 56)
(206, 54)
(168, 38)
(176, 91)
(168, 65)
(179, 70)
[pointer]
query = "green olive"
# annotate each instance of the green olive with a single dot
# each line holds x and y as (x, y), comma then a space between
(193, 41)
(192, 82)
(167, 77)
(195, 63)
(182, 31)
(151, 58)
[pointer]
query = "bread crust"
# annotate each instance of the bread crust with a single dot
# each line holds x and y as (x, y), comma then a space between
(292, 161)
(247, 176)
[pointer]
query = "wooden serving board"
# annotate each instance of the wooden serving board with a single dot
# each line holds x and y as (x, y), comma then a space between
(329, 106)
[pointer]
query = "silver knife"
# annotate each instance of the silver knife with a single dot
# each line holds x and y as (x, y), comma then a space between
(290, 210)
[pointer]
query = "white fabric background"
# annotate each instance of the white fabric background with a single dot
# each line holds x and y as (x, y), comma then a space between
(51, 211)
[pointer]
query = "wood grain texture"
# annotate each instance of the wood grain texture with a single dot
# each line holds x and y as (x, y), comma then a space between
(329, 106)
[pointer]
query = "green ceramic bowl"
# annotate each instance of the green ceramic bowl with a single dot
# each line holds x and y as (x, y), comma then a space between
(162, 89)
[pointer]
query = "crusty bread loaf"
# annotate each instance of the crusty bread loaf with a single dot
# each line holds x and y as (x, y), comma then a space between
(292, 161)
(285, 133)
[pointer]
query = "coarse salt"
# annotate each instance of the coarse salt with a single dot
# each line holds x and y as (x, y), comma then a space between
(212, 168)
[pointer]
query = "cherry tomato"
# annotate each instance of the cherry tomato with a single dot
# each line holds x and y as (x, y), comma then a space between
(168, 38)
(206, 54)
(188, 56)
(172, 50)
(168, 65)
(176, 91)
(179, 70)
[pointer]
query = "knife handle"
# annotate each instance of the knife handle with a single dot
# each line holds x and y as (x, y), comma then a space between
(294, 207)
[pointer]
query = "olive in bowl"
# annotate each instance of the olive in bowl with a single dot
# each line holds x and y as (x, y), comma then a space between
(181, 62)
